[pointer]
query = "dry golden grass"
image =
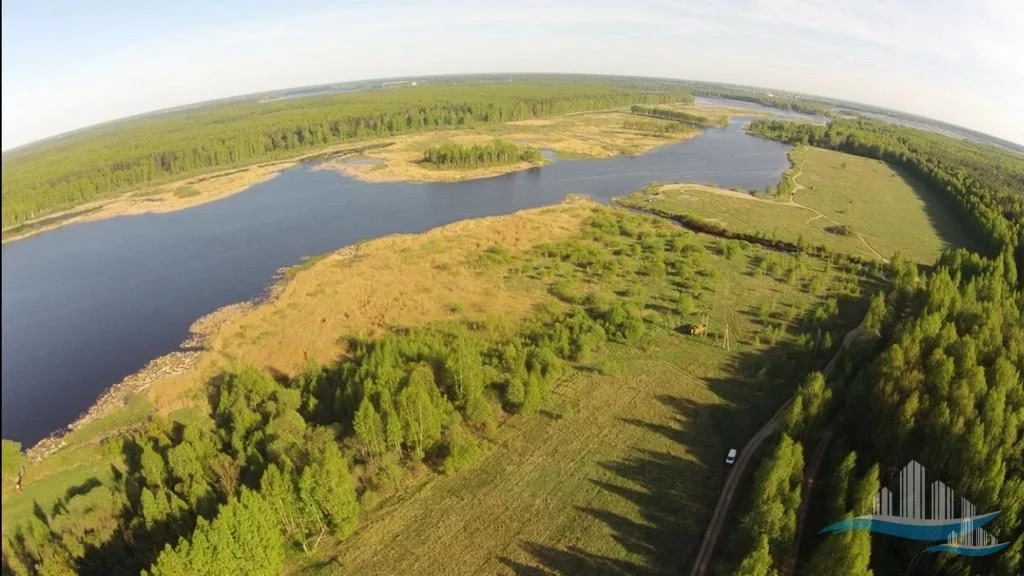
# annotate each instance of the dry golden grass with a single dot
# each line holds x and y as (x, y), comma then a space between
(619, 469)
(618, 474)
(400, 162)
(403, 280)
(163, 198)
(596, 135)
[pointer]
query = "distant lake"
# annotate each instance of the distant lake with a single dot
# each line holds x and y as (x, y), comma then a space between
(88, 304)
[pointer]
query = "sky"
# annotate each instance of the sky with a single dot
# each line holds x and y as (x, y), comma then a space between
(69, 64)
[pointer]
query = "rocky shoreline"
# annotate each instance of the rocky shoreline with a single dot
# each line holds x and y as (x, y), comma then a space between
(117, 396)
(186, 358)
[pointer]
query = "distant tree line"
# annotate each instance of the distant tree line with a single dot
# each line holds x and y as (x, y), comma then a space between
(678, 116)
(79, 167)
(454, 155)
(787, 103)
(653, 127)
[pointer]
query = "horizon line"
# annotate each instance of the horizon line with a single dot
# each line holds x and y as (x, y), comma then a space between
(201, 103)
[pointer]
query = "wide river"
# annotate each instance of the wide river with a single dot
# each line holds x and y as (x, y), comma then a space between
(88, 304)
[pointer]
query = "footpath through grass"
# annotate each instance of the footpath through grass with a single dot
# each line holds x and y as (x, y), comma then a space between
(892, 210)
(849, 204)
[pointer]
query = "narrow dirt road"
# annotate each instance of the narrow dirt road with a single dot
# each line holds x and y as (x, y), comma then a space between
(810, 473)
(714, 530)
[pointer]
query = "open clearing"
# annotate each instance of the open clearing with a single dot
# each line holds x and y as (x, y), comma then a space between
(883, 211)
(619, 473)
(890, 208)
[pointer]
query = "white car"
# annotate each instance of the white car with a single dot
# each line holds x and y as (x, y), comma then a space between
(730, 457)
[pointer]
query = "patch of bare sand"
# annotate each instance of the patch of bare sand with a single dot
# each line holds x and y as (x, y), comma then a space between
(684, 188)
(362, 290)
(163, 198)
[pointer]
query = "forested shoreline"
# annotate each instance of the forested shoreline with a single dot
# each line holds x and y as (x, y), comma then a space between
(786, 103)
(128, 154)
(678, 116)
(283, 462)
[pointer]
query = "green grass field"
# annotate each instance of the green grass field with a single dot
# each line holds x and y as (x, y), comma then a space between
(51, 481)
(620, 473)
(847, 203)
(890, 208)
(620, 470)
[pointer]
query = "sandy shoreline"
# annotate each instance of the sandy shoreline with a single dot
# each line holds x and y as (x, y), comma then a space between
(394, 159)
(365, 309)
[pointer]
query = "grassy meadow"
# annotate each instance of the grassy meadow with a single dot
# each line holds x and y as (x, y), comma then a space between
(892, 210)
(849, 204)
(619, 470)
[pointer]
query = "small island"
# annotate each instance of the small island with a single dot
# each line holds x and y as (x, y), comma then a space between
(452, 155)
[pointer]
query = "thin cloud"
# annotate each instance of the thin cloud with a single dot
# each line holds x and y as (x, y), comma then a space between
(928, 58)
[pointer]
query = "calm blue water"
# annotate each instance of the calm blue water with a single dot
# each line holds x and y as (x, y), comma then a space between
(86, 305)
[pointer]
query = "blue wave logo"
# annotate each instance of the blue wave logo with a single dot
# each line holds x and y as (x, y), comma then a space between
(963, 534)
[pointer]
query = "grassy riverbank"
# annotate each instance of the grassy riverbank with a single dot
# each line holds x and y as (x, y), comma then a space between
(399, 158)
(672, 402)
(849, 204)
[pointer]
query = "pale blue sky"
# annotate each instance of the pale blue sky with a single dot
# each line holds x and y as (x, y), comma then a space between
(69, 64)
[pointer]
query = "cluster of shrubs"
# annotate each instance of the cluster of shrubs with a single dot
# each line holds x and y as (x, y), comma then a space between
(453, 155)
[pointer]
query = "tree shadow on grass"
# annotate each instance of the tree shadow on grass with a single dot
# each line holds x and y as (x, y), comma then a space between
(670, 492)
(943, 214)
(675, 491)
(573, 560)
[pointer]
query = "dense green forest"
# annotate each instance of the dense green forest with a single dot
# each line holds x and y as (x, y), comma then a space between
(653, 126)
(83, 166)
(678, 116)
(938, 376)
(453, 155)
(787, 103)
